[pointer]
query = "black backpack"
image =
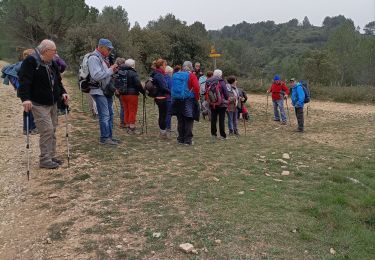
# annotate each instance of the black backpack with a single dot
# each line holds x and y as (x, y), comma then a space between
(121, 81)
(305, 87)
(150, 88)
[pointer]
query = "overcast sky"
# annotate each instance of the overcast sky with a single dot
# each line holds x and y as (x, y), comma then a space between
(215, 14)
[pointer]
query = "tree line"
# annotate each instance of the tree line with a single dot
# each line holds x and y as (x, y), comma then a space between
(334, 53)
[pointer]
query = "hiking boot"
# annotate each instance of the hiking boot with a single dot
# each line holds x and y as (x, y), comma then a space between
(276, 120)
(163, 136)
(236, 133)
(189, 143)
(108, 142)
(231, 132)
(222, 138)
(131, 131)
(34, 131)
(49, 165)
(118, 141)
(58, 161)
(299, 130)
(283, 123)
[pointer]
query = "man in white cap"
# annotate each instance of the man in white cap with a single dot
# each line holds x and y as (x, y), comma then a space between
(101, 73)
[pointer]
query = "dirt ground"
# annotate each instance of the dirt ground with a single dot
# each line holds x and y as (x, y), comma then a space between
(24, 222)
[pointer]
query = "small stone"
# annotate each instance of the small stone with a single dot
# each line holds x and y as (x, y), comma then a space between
(156, 234)
(273, 153)
(215, 179)
(267, 174)
(49, 240)
(252, 189)
(119, 246)
(285, 173)
(294, 230)
(217, 241)
(277, 180)
(205, 250)
(109, 252)
(332, 251)
(262, 156)
(241, 193)
(53, 196)
(186, 247)
(152, 252)
(286, 156)
(282, 161)
(284, 166)
(194, 251)
(329, 168)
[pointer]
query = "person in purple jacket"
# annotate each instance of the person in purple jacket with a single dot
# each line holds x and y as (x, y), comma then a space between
(218, 109)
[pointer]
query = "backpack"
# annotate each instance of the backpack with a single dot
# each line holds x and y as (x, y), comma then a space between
(213, 94)
(121, 81)
(84, 79)
(305, 87)
(180, 89)
(150, 88)
(202, 84)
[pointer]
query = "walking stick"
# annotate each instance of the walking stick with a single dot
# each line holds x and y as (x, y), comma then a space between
(28, 144)
(67, 134)
(287, 107)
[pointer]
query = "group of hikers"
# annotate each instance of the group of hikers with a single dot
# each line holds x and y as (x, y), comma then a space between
(183, 91)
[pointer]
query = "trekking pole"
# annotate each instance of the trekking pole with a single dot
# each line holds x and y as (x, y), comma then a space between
(116, 107)
(28, 144)
(287, 108)
(145, 110)
(67, 134)
(267, 107)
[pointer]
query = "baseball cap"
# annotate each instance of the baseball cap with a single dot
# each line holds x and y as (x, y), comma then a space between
(106, 43)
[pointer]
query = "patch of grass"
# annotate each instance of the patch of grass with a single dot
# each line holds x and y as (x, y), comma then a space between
(81, 177)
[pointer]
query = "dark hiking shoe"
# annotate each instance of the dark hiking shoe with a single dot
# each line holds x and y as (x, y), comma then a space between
(236, 133)
(276, 120)
(108, 142)
(284, 123)
(58, 161)
(222, 138)
(49, 165)
(116, 140)
(299, 130)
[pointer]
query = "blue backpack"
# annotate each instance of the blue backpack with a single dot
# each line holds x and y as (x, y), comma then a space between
(305, 87)
(180, 88)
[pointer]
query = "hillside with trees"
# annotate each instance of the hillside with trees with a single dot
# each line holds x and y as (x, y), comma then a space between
(334, 53)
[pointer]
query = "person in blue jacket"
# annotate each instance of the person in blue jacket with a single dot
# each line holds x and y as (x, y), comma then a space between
(298, 97)
(10, 74)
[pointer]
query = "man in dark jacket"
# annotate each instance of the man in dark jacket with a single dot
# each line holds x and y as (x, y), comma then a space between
(40, 90)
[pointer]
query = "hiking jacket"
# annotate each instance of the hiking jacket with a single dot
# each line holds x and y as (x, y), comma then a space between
(298, 96)
(99, 72)
(10, 74)
(223, 89)
(168, 80)
(134, 86)
(160, 83)
(278, 90)
(40, 82)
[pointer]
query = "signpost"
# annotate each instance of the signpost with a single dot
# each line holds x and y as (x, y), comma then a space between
(214, 55)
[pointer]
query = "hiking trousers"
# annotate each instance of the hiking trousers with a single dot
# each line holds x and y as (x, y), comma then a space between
(232, 121)
(130, 104)
(185, 129)
(45, 118)
(105, 111)
(215, 112)
(163, 109)
(279, 105)
(300, 119)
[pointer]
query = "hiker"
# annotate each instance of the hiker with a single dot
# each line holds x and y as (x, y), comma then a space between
(185, 96)
(198, 72)
(205, 106)
(101, 73)
(40, 89)
(161, 95)
(10, 74)
(241, 107)
(298, 99)
(168, 78)
(130, 93)
(279, 91)
(233, 100)
(217, 97)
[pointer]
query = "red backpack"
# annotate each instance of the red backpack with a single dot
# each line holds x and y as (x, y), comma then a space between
(214, 95)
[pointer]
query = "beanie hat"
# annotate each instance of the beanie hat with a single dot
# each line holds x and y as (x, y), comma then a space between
(277, 77)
